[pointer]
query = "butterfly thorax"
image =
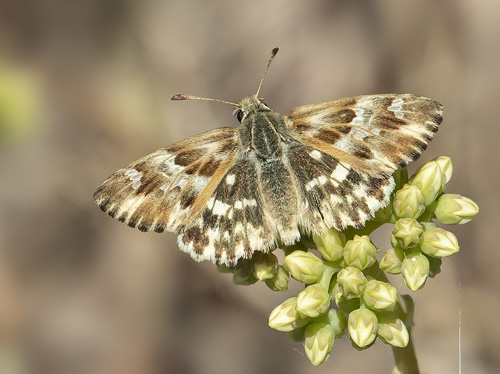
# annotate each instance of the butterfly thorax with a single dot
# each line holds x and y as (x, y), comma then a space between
(262, 131)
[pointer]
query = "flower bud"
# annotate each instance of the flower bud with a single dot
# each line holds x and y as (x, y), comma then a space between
(446, 169)
(304, 266)
(380, 295)
(265, 266)
(439, 243)
(409, 202)
(455, 209)
(394, 333)
(242, 273)
(313, 301)
(330, 245)
(318, 343)
(352, 282)
(429, 179)
(285, 316)
(360, 252)
(337, 321)
(280, 280)
(406, 233)
(415, 270)
(392, 260)
(362, 326)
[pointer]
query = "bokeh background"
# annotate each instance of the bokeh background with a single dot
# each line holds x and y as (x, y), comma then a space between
(85, 89)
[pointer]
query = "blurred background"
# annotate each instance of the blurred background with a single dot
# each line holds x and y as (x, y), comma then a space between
(85, 89)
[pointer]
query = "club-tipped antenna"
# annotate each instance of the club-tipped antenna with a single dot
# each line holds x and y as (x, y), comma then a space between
(191, 97)
(273, 53)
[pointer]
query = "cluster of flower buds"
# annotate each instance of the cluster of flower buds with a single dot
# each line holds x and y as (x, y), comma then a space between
(417, 243)
(346, 274)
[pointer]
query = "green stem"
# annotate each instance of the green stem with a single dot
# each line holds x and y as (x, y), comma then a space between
(327, 275)
(428, 214)
(405, 359)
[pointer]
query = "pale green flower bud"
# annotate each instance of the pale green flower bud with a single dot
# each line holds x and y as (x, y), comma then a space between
(394, 333)
(429, 179)
(380, 295)
(455, 209)
(352, 282)
(285, 316)
(362, 326)
(304, 266)
(406, 233)
(409, 202)
(313, 301)
(280, 280)
(337, 321)
(360, 252)
(330, 245)
(318, 343)
(265, 266)
(243, 274)
(392, 260)
(446, 169)
(439, 243)
(415, 270)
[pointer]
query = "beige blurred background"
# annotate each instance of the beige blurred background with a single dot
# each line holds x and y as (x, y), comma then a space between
(85, 89)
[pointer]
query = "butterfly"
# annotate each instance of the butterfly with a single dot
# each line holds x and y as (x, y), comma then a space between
(230, 192)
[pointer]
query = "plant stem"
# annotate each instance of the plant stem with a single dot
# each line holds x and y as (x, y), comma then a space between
(326, 278)
(405, 359)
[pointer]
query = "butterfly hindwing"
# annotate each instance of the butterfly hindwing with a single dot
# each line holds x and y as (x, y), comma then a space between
(333, 193)
(233, 222)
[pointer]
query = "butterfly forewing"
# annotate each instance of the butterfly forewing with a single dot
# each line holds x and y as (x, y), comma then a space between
(373, 133)
(161, 190)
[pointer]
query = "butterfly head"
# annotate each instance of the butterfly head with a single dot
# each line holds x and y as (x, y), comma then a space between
(249, 106)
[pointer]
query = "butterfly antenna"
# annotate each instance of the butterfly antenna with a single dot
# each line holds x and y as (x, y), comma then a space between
(273, 53)
(191, 97)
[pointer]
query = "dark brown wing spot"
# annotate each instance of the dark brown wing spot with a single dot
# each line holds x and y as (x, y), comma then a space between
(227, 146)
(195, 236)
(362, 151)
(354, 177)
(187, 157)
(328, 136)
(343, 129)
(192, 168)
(342, 116)
(208, 168)
(187, 199)
(302, 125)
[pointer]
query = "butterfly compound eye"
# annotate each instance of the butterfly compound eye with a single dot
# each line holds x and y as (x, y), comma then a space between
(239, 115)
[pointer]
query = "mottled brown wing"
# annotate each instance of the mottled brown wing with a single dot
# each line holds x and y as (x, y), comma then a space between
(235, 222)
(349, 148)
(167, 188)
(373, 133)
